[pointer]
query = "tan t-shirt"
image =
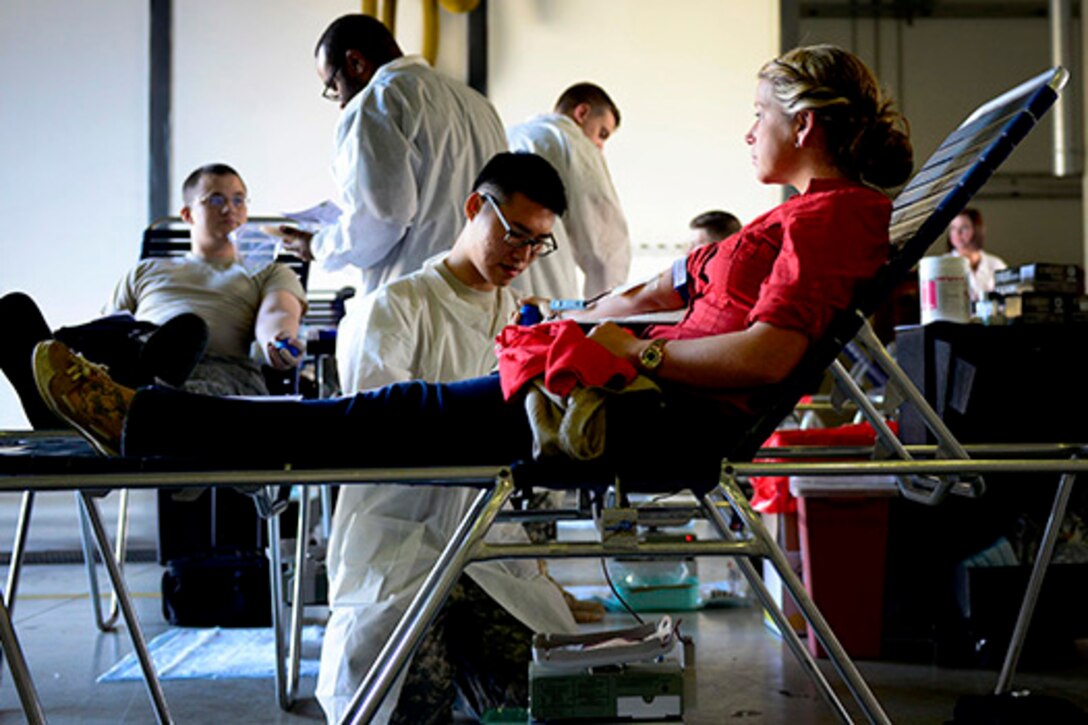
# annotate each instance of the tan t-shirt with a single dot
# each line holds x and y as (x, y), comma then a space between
(226, 295)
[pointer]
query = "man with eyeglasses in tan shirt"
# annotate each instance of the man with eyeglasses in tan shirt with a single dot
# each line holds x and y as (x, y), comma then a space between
(188, 322)
(239, 301)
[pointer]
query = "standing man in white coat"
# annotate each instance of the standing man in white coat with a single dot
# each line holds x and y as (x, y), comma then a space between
(408, 145)
(592, 235)
(438, 324)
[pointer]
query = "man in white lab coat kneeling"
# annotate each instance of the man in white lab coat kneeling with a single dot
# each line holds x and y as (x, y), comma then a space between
(438, 324)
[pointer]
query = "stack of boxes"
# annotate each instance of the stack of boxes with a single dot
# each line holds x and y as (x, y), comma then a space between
(1041, 293)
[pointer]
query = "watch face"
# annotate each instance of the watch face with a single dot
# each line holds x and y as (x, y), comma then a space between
(652, 356)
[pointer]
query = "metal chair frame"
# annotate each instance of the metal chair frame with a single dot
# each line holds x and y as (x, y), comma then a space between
(118, 473)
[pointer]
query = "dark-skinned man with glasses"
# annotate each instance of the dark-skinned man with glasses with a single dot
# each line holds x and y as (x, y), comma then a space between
(408, 144)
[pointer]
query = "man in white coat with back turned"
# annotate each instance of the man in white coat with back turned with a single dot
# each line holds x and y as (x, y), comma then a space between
(438, 324)
(592, 235)
(408, 145)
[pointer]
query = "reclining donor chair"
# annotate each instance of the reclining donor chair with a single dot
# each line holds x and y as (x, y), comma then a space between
(935, 195)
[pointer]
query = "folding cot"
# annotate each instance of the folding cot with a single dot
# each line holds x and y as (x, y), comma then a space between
(938, 191)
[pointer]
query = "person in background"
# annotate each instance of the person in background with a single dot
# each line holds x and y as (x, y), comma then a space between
(408, 145)
(966, 238)
(592, 235)
(712, 226)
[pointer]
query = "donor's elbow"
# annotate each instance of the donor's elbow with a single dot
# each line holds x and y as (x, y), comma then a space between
(775, 363)
(772, 373)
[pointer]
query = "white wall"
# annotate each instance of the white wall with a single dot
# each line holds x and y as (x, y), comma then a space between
(942, 70)
(246, 92)
(73, 141)
(683, 76)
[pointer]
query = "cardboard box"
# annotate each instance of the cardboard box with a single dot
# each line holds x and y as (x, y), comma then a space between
(1038, 308)
(1066, 279)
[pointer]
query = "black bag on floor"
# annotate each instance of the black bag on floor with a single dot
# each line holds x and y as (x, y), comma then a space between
(217, 589)
(1013, 708)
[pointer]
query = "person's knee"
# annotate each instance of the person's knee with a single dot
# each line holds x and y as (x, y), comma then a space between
(19, 310)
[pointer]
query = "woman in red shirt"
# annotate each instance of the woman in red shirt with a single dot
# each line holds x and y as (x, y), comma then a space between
(755, 300)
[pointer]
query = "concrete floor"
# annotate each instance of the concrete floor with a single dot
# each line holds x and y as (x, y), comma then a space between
(744, 673)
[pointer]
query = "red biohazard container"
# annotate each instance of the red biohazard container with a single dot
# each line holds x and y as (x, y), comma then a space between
(843, 531)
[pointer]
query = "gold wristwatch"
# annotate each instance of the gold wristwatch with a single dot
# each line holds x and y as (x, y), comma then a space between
(653, 355)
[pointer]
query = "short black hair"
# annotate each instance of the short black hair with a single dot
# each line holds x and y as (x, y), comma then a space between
(718, 224)
(509, 173)
(188, 189)
(589, 93)
(358, 32)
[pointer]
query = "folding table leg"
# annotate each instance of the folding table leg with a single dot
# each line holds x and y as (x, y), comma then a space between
(151, 679)
(793, 641)
(104, 623)
(275, 572)
(326, 511)
(1035, 583)
(18, 548)
(294, 649)
(425, 605)
(20, 673)
(816, 622)
(289, 654)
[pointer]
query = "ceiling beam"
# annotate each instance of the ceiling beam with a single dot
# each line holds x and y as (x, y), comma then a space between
(916, 9)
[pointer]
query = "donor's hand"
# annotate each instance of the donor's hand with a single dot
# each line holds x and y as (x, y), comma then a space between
(617, 340)
(285, 352)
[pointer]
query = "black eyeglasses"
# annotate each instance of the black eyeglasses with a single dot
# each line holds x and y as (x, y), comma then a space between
(329, 93)
(543, 245)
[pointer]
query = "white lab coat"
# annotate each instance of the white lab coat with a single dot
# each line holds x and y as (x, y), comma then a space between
(408, 147)
(427, 326)
(981, 281)
(592, 235)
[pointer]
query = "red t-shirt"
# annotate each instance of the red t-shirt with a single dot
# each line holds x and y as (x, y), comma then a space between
(793, 267)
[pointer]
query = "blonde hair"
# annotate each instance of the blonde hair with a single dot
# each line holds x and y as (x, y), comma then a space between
(867, 137)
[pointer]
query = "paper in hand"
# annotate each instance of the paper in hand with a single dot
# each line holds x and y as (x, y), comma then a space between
(327, 212)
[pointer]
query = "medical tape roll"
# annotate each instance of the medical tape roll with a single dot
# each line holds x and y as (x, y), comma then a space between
(942, 287)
